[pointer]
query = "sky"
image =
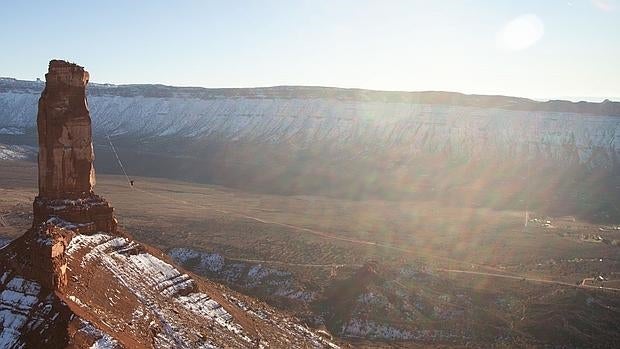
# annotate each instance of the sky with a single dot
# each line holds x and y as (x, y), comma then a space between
(530, 48)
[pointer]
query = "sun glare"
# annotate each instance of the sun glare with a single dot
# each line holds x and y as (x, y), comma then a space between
(521, 33)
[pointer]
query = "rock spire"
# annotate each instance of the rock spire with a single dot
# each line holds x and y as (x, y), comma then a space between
(65, 137)
(66, 172)
(66, 205)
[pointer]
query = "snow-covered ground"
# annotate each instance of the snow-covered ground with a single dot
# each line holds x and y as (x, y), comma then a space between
(16, 152)
(148, 278)
(16, 301)
(4, 242)
(247, 275)
(11, 131)
(370, 329)
(24, 308)
(465, 131)
(171, 300)
(103, 340)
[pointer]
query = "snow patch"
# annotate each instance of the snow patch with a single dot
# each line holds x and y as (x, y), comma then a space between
(465, 131)
(11, 131)
(21, 310)
(103, 340)
(15, 152)
(149, 279)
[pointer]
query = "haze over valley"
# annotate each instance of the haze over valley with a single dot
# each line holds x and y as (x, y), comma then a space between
(310, 174)
(350, 143)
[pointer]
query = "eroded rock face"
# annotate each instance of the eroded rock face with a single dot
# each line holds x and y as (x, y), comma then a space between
(66, 204)
(40, 253)
(66, 172)
(92, 210)
(68, 282)
(65, 137)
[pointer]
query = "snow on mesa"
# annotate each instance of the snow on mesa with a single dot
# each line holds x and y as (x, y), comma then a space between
(464, 130)
(103, 340)
(24, 308)
(247, 275)
(150, 278)
(15, 152)
(16, 301)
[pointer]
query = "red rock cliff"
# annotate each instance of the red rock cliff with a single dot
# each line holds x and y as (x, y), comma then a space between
(65, 140)
(66, 205)
(66, 172)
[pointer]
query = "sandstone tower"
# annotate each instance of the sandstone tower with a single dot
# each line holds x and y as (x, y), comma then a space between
(66, 172)
(65, 140)
(66, 205)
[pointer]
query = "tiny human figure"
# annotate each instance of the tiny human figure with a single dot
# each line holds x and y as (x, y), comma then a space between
(131, 182)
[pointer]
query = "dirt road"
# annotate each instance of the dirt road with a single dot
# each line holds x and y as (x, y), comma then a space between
(522, 278)
(326, 235)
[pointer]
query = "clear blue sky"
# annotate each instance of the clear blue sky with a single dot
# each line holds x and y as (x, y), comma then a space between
(533, 48)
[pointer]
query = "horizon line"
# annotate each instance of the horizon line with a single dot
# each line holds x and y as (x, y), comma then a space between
(573, 99)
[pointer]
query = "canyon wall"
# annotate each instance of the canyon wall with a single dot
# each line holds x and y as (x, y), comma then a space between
(299, 120)
(476, 150)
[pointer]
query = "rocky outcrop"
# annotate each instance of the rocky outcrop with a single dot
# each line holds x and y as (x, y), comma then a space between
(40, 253)
(65, 139)
(92, 212)
(66, 172)
(73, 281)
(66, 205)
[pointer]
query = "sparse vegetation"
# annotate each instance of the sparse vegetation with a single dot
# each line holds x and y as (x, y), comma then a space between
(410, 241)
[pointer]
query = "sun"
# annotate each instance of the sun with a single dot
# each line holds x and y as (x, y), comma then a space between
(521, 33)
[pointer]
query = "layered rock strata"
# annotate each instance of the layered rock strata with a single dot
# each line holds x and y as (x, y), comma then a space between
(66, 204)
(73, 281)
(66, 172)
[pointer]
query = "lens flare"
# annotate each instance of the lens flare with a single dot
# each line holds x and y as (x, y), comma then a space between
(604, 5)
(521, 33)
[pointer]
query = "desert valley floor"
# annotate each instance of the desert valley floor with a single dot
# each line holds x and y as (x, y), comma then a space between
(301, 253)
